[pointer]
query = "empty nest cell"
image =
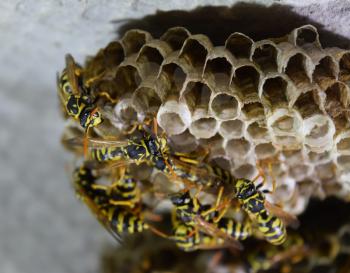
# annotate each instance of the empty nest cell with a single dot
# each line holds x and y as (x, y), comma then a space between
(173, 77)
(197, 95)
(257, 131)
(150, 60)
(175, 37)
(325, 71)
(265, 55)
(127, 79)
(238, 148)
(307, 104)
(146, 100)
(246, 170)
(231, 128)
(205, 127)
(194, 53)
(274, 92)
(224, 106)
(296, 69)
(218, 72)
(337, 100)
(184, 142)
(264, 150)
(300, 171)
(246, 80)
(253, 111)
(305, 36)
(239, 45)
(133, 41)
(325, 171)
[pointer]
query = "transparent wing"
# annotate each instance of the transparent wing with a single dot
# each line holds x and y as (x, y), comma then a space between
(71, 68)
(94, 142)
(213, 230)
(99, 214)
(287, 218)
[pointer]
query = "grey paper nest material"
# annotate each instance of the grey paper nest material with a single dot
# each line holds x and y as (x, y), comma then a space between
(281, 102)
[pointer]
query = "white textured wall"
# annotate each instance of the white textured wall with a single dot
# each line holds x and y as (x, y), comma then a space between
(43, 228)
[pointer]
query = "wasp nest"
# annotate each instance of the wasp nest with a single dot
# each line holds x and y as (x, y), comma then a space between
(279, 105)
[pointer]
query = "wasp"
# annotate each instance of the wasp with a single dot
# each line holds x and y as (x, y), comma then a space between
(254, 203)
(117, 218)
(266, 257)
(75, 96)
(208, 219)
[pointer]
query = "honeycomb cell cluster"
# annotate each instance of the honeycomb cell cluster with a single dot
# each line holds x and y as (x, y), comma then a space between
(278, 105)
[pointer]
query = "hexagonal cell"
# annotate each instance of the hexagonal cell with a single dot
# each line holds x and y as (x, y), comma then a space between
(317, 158)
(343, 146)
(150, 60)
(127, 79)
(253, 111)
(264, 150)
(296, 69)
(293, 157)
(175, 37)
(306, 187)
(214, 143)
(300, 171)
(325, 70)
(287, 142)
(218, 71)
(173, 76)
(238, 148)
(239, 45)
(344, 66)
(204, 127)
(231, 128)
(125, 111)
(197, 95)
(246, 80)
(257, 131)
(325, 171)
(133, 40)
(319, 131)
(184, 142)
(247, 171)
(174, 117)
(274, 91)
(284, 122)
(224, 106)
(146, 100)
(308, 104)
(343, 162)
(266, 57)
(336, 103)
(195, 53)
(306, 35)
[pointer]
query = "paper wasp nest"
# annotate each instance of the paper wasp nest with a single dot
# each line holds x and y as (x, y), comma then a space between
(281, 102)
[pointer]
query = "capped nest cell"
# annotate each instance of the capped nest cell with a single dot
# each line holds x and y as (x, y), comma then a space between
(279, 105)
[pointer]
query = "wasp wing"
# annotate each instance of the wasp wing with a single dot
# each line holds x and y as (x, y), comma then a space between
(72, 69)
(95, 142)
(287, 218)
(214, 231)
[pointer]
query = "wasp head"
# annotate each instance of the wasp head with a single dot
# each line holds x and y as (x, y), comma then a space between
(244, 188)
(181, 199)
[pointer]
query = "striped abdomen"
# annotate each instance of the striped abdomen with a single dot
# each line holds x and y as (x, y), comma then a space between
(272, 227)
(185, 237)
(108, 154)
(123, 221)
(125, 188)
(239, 231)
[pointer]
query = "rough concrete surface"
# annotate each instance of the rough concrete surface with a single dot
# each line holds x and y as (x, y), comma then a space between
(43, 228)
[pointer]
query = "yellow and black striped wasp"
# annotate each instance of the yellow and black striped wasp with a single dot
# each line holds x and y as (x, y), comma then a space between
(269, 218)
(75, 97)
(206, 219)
(117, 218)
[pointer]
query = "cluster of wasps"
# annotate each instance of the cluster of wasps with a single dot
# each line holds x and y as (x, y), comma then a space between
(119, 206)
